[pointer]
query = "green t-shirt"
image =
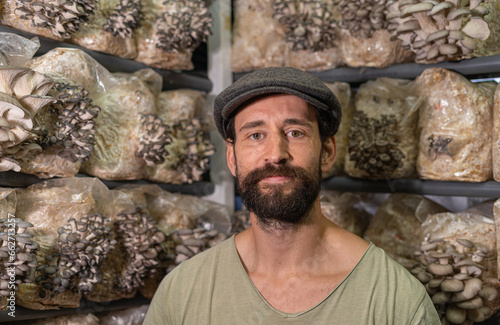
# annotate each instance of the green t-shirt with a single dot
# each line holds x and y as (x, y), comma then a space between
(213, 288)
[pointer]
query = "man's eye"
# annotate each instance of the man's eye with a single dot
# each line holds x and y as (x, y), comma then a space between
(295, 133)
(256, 136)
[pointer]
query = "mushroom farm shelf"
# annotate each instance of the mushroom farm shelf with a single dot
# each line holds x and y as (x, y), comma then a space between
(481, 67)
(85, 308)
(415, 186)
(201, 188)
(195, 79)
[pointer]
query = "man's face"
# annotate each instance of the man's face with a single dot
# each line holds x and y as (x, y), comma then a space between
(276, 159)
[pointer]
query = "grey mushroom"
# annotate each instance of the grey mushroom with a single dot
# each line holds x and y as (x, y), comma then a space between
(184, 25)
(310, 25)
(125, 18)
(156, 136)
(362, 18)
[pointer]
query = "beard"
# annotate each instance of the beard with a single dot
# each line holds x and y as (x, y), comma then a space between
(278, 207)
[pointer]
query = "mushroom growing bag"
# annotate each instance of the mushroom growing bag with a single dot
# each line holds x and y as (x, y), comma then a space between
(457, 263)
(456, 127)
(65, 212)
(395, 227)
(383, 135)
(496, 135)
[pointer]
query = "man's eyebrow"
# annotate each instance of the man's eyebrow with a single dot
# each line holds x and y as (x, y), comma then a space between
(251, 125)
(293, 121)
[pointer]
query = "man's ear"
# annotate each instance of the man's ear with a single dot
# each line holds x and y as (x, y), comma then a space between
(329, 154)
(231, 159)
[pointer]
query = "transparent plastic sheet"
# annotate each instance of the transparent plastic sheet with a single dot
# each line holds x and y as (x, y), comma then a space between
(129, 316)
(9, 18)
(76, 319)
(480, 230)
(396, 226)
(77, 66)
(175, 106)
(49, 205)
(346, 210)
(16, 50)
(94, 37)
(343, 92)
(456, 127)
(119, 126)
(496, 135)
(146, 39)
(383, 138)
(377, 51)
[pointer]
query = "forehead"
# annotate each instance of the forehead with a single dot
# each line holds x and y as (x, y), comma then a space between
(275, 107)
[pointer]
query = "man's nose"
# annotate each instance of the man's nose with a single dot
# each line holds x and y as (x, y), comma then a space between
(277, 150)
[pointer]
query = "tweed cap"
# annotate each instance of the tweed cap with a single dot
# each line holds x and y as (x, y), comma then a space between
(278, 80)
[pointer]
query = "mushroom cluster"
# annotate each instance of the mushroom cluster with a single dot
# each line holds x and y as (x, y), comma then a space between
(438, 146)
(152, 145)
(142, 240)
(62, 17)
(373, 144)
(451, 273)
(184, 25)
(75, 128)
(199, 149)
(124, 19)
(22, 93)
(362, 18)
(17, 255)
(83, 246)
(439, 30)
(310, 24)
(189, 242)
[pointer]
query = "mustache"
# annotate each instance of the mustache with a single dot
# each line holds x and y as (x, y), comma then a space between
(269, 170)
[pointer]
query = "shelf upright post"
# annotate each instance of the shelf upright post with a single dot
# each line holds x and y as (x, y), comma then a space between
(219, 72)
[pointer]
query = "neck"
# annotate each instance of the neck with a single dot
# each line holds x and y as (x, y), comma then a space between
(286, 249)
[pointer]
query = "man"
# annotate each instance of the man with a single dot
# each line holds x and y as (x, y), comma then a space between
(293, 265)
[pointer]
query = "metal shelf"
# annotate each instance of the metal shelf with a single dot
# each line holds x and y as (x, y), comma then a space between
(171, 79)
(415, 186)
(201, 188)
(85, 307)
(482, 67)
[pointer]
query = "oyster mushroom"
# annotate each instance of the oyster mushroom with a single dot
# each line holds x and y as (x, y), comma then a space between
(75, 128)
(62, 17)
(189, 242)
(125, 18)
(184, 25)
(373, 144)
(441, 30)
(456, 288)
(310, 25)
(362, 18)
(83, 246)
(142, 240)
(23, 94)
(17, 254)
(194, 161)
(152, 145)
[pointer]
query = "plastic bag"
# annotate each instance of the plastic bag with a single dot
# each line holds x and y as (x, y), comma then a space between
(16, 50)
(94, 37)
(343, 92)
(463, 247)
(377, 51)
(383, 138)
(346, 210)
(119, 128)
(50, 205)
(146, 39)
(183, 110)
(396, 226)
(496, 135)
(456, 127)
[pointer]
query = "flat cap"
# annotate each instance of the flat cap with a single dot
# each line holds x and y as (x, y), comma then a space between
(278, 80)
